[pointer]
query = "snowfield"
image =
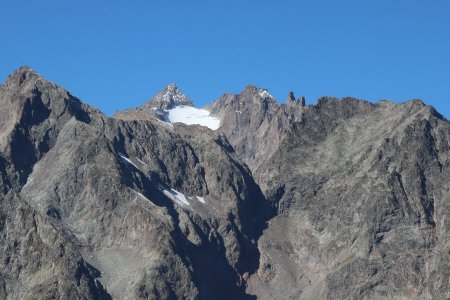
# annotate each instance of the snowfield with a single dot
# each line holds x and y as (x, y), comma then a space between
(191, 115)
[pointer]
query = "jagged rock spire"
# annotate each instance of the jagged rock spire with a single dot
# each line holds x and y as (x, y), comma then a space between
(290, 97)
(291, 100)
(302, 101)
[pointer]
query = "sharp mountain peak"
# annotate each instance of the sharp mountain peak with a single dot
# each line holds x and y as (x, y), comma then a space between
(169, 97)
(23, 75)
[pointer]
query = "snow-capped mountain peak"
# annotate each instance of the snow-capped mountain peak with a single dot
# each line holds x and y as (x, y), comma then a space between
(170, 97)
(171, 105)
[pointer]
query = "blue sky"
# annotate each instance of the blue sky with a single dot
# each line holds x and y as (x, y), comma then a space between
(117, 54)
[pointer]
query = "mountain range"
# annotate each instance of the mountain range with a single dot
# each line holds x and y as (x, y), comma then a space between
(246, 198)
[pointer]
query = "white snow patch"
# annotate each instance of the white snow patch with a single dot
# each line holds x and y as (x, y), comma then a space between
(264, 93)
(127, 160)
(175, 196)
(201, 199)
(191, 115)
(143, 197)
(141, 161)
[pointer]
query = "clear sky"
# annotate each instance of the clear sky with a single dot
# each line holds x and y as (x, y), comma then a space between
(117, 54)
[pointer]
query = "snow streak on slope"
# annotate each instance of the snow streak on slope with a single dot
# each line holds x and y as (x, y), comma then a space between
(191, 115)
(201, 199)
(143, 197)
(174, 195)
(127, 160)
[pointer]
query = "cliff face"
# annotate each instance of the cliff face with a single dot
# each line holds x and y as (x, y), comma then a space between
(344, 199)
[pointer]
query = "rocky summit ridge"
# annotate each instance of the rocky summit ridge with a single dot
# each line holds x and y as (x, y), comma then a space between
(343, 199)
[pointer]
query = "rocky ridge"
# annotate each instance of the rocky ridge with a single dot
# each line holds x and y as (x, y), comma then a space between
(344, 199)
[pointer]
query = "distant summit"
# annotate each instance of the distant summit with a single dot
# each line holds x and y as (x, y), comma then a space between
(170, 97)
(171, 105)
(251, 90)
